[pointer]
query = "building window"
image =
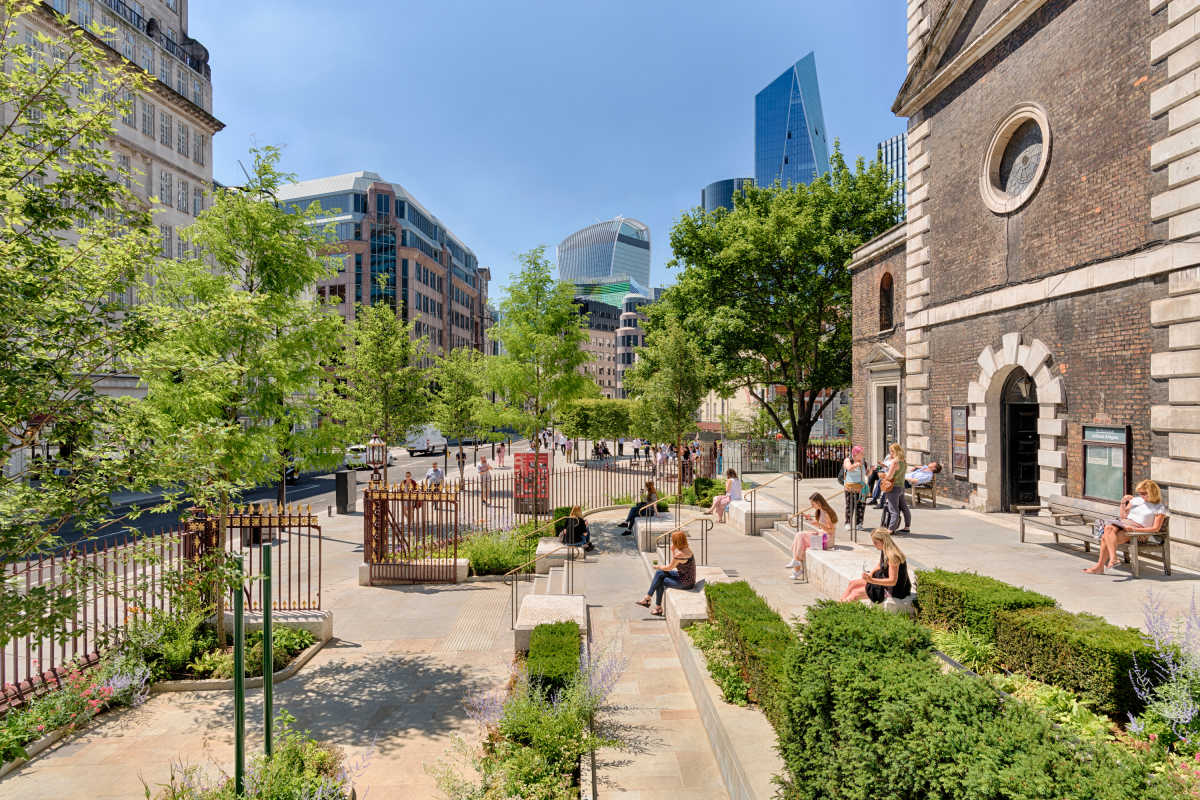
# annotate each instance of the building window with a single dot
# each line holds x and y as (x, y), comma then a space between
(124, 170)
(1016, 159)
(183, 144)
(165, 128)
(83, 12)
(61, 6)
(886, 301)
(180, 248)
(199, 145)
(165, 188)
(171, 4)
(184, 190)
(168, 240)
(196, 91)
(148, 59)
(166, 70)
(181, 82)
(197, 201)
(129, 113)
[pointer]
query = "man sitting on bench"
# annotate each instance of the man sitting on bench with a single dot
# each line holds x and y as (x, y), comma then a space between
(922, 475)
(1144, 513)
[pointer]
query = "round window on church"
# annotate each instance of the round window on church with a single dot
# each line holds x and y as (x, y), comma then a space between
(1016, 159)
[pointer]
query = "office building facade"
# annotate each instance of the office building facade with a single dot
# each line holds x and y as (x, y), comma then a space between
(428, 275)
(164, 140)
(602, 322)
(719, 194)
(893, 153)
(616, 249)
(790, 140)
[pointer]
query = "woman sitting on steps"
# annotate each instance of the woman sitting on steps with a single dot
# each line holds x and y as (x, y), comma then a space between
(679, 574)
(825, 522)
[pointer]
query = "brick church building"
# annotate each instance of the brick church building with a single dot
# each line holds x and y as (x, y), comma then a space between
(1034, 323)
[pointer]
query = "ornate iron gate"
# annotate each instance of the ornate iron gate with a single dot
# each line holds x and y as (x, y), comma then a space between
(410, 535)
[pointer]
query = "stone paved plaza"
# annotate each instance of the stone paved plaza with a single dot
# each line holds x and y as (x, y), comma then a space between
(390, 687)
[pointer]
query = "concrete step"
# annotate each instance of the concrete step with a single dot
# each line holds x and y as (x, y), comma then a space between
(557, 581)
(781, 536)
(541, 584)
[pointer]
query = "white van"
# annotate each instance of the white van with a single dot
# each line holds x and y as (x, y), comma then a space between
(356, 457)
(428, 441)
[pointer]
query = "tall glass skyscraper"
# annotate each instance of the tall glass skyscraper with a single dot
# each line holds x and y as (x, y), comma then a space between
(893, 154)
(719, 194)
(790, 144)
(614, 249)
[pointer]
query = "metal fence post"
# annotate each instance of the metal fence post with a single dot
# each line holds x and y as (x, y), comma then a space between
(268, 654)
(239, 687)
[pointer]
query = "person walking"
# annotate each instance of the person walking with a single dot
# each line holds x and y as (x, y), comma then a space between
(485, 479)
(500, 455)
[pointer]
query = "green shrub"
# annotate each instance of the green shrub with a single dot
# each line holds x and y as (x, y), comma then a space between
(868, 713)
(623, 500)
(965, 600)
(1063, 708)
(706, 489)
(559, 515)
(287, 642)
(665, 503)
(967, 648)
(723, 666)
(553, 656)
(757, 636)
(497, 553)
(1080, 652)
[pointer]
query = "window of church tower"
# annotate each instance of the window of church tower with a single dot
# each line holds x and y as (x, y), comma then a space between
(1016, 159)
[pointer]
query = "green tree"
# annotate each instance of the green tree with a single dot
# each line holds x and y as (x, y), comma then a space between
(765, 288)
(235, 369)
(460, 405)
(383, 387)
(845, 419)
(541, 332)
(669, 381)
(74, 243)
(597, 418)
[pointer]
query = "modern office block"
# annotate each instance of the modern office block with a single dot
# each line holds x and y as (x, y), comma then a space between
(892, 152)
(790, 141)
(615, 249)
(428, 275)
(719, 194)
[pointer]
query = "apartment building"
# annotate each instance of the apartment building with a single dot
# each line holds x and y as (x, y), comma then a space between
(429, 276)
(165, 139)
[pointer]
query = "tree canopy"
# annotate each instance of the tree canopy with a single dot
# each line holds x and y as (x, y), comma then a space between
(764, 288)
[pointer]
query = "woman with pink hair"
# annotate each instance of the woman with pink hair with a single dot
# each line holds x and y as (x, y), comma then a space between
(852, 484)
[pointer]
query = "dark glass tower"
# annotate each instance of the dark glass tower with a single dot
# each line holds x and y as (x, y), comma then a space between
(719, 194)
(893, 153)
(790, 144)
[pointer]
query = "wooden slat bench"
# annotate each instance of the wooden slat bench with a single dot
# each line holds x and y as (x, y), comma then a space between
(1075, 518)
(926, 492)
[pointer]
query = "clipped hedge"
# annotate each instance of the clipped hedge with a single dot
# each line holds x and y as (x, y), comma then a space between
(1080, 652)
(553, 656)
(966, 600)
(868, 714)
(559, 516)
(758, 637)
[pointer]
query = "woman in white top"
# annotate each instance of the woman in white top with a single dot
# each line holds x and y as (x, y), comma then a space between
(854, 480)
(825, 524)
(1144, 513)
(733, 491)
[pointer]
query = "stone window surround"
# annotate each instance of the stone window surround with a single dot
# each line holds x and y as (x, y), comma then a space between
(983, 424)
(995, 198)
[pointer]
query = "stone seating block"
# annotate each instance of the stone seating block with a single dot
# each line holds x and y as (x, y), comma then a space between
(419, 571)
(318, 623)
(545, 555)
(767, 511)
(537, 609)
(831, 571)
(684, 607)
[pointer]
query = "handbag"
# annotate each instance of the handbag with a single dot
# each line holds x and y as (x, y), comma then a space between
(886, 485)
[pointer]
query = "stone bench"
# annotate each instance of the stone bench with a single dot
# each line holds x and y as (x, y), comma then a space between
(318, 623)
(751, 519)
(684, 607)
(537, 609)
(831, 571)
(547, 556)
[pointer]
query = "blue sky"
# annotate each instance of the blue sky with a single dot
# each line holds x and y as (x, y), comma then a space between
(521, 121)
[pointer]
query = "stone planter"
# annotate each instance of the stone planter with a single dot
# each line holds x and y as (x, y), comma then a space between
(33, 750)
(226, 684)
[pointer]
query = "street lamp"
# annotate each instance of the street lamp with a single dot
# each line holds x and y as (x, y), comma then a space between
(376, 456)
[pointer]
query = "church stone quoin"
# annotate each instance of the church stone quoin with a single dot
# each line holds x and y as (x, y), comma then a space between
(1048, 272)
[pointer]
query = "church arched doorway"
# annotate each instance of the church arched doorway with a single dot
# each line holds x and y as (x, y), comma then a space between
(1019, 417)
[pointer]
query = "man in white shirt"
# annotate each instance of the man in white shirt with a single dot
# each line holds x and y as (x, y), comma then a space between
(922, 475)
(434, 476)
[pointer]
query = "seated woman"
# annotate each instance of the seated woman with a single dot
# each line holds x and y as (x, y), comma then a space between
(890, 578)
(1144, 513)
(733, 491)
(679, 574)
(825, 522)
(576, 530)
(645, 507)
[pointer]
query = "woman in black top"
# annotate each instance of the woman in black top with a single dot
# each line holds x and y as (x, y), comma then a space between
(679, 574)
(890, 578)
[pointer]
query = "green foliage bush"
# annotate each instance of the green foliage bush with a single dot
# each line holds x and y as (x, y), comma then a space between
(553, 656)
(723, 666)
(757, 637)
(956, 600)
(868, 713)
(705, 489)
(967, 648)
(1080, 652)
(1064, 708)
(300, 767)
(495, 553)
(559, 515)
(287, 642)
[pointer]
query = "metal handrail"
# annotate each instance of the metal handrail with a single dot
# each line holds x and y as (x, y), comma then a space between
(753, 495)
(706, 518)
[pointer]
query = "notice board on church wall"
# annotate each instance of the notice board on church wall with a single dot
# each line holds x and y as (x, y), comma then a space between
(960, 461)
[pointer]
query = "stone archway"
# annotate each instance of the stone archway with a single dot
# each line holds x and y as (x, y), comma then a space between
(984, 395)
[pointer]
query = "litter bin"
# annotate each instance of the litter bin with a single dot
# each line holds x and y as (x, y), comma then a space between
(346, 490)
